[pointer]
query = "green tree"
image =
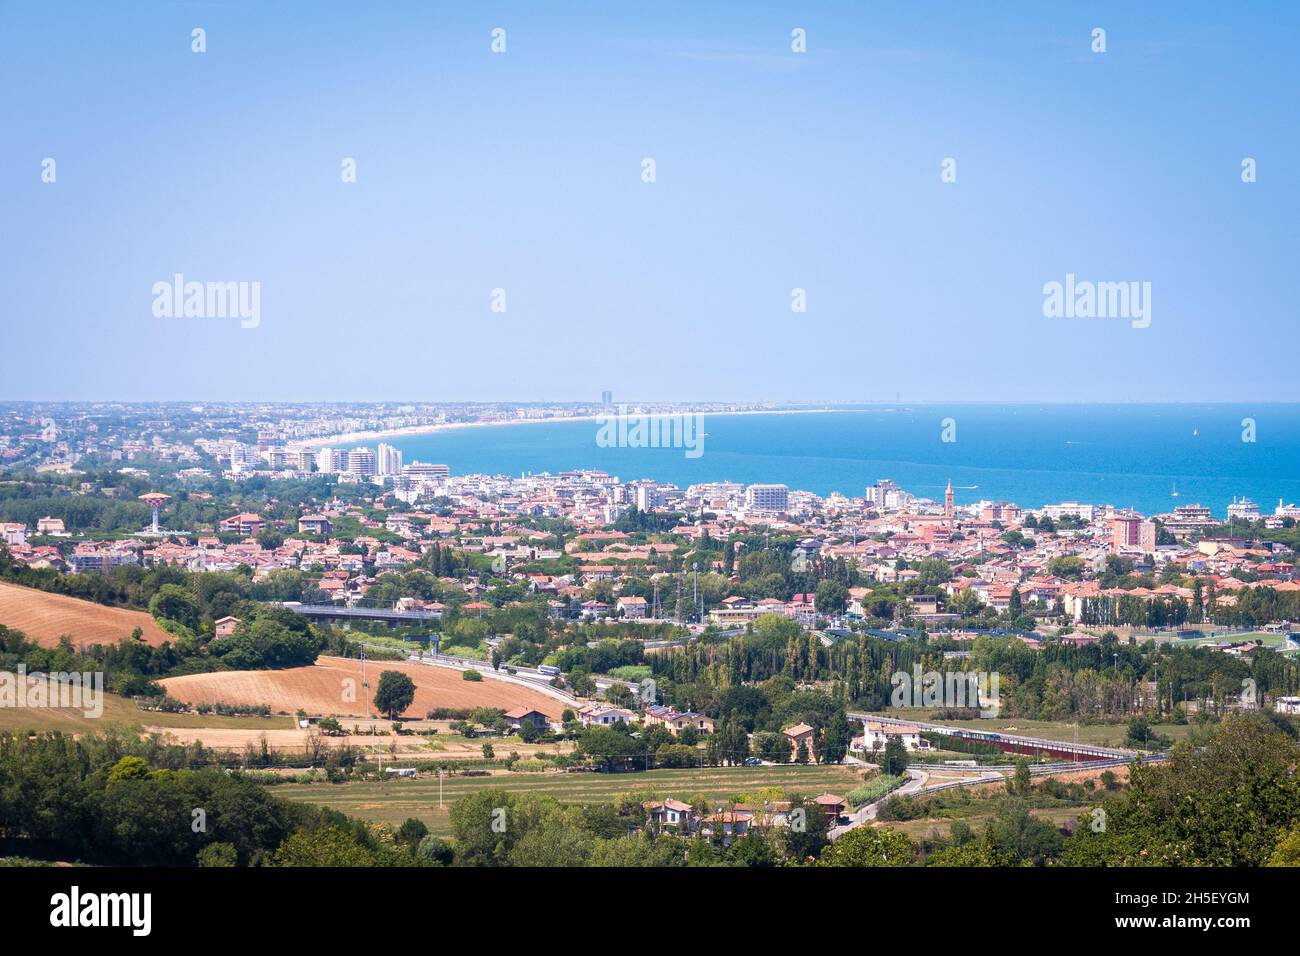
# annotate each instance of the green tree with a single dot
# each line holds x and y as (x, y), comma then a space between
(434, 850)
(1021, 781)
(411, 832)
(1013, 831)
(330, 846)
(1224, 797)
(836, 739)
(832, 597)
(1287, 852)
(867, 846)
(175, 603)
(894, 759)
(972, 854)
(395, 693)
(218, 854)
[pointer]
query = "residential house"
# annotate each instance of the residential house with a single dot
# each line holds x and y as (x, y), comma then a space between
(247, 524)
(878, 734)
(676, 721)
(800, 734)
(520, 715)
(834, 806)
(632, 607)
(315, 524)
(670, 814)
(726, 825)
(226, 626)
(602, 715)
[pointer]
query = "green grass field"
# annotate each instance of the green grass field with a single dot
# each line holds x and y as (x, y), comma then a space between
(392, 801)
(120, 710)
(1269, 639)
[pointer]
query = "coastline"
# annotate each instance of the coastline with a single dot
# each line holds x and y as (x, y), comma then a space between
(355, 438)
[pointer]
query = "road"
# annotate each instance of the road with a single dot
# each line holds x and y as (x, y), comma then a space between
(918, 782)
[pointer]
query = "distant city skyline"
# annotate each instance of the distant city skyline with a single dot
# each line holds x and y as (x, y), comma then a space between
(524, 171)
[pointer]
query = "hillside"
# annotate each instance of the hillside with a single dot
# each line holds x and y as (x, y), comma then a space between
(321, 689)
(44, 617)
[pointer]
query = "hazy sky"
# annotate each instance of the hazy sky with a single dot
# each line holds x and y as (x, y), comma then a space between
(523, 171)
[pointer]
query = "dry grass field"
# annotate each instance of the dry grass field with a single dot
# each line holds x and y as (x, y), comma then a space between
(332, 686)
(45, 617)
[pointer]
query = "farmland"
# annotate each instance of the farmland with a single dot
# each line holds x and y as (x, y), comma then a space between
(333, 686)
(44, 618)
(392, 801)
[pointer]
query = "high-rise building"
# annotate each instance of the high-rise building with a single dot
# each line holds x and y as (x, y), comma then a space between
(361, 462)
(774, 498)
(388, 461)
(648, 497)
(1129, 532)
(242, 456)
(331, 461)
(884, 495)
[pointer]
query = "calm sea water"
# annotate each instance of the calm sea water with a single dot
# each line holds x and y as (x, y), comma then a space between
(1127, 455)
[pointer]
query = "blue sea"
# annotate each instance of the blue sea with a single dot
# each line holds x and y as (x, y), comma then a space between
(1131, 456)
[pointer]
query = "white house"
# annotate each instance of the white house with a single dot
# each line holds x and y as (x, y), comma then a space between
(879, 734)
(603, 716)
(11, 533)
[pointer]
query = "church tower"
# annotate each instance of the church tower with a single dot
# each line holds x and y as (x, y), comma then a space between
(947, 500)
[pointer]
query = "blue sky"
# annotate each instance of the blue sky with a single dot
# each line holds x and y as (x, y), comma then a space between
(522, 171)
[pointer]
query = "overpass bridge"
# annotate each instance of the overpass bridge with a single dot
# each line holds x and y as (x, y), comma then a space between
(339, 612)
(1013, 743)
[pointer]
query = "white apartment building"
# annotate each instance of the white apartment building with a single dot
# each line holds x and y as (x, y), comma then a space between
(361, 462)
(1071, 509)
(388, 460)
(424, 469)
(774, 498)
(13, 533)
(884, 495)
(331, 460)
(648, 497)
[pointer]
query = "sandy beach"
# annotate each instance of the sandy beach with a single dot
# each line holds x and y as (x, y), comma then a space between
(353, 438)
